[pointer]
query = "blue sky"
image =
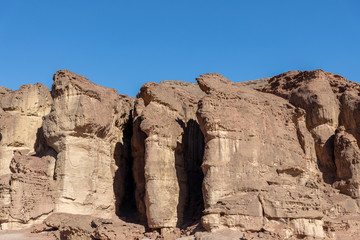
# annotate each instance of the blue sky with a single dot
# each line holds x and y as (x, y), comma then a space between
(124, 44)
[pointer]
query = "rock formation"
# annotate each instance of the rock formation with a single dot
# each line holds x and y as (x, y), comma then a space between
(21, 119)
(172, 145)
(25, 190)
(274, 158)
(84, 127)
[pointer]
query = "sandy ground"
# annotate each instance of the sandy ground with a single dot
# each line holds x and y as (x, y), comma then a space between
(25, 234)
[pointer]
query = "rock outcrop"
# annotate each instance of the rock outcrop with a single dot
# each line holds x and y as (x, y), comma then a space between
(312, 92)
(21, 115)
(167, 133)
(85, 128)
(25, 188)
(30, 191)
(257, 150)
(274, 158)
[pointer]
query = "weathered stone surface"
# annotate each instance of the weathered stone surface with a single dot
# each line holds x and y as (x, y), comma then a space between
(309, 90)
(161, 147)
(308, 228)
(113, 229)
(253, 141)
(312, 91)
(281, 201)
(5, 197)
(240, 142)
(20, 120)
(225, 234)
(71, 226)
(347, 160)
(4, 91)
(240, 211)
(84, 227)
(28, 198)
(85, 125)
(257, 84)
(26, 190)
(329, 101)
(274, 158)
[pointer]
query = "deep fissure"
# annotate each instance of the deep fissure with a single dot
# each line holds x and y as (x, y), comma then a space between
(193, 150)
(124, 184)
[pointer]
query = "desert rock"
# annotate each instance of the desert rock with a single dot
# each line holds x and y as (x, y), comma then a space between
(171, 144)
(21, 120)
(254, 142)
(274, 158)
(85, 128)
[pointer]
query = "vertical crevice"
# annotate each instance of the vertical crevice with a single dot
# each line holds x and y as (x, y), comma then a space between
(193, 150)
(124, 184)
(138, 168)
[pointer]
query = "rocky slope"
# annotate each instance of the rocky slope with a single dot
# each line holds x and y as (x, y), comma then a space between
(274, 158)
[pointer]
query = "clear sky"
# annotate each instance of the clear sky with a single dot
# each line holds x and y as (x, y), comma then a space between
(124, 44)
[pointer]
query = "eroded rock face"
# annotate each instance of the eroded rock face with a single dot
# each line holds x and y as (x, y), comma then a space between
(275, 158)
(25, 189)
(330, 101)
(256, 144)
(27, 194)
(167, 143)
(21, 113)
(312, 92)
(83, 227)
(85, 125)
(347, 159)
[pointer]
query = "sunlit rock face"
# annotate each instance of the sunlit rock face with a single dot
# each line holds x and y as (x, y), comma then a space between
(27, 194)
(257, 145)
(21, 113)
(25, 188)
(84, 127)
(167, 133)
(274, 158)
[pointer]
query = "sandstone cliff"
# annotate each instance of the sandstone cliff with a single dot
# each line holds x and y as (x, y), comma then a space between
(275, 158)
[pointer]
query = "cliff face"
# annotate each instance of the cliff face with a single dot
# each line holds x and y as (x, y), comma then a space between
(84, 126)
(276, 158)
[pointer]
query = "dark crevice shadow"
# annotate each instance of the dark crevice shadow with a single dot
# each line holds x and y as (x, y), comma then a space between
(325, 157)
(138, 168)
(329, 173)
(182, 181)
(41, 148)
(194, 144)
(192, 147)
(124, 184)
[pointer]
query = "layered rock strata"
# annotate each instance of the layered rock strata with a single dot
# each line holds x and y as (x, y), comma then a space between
(275, 158)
